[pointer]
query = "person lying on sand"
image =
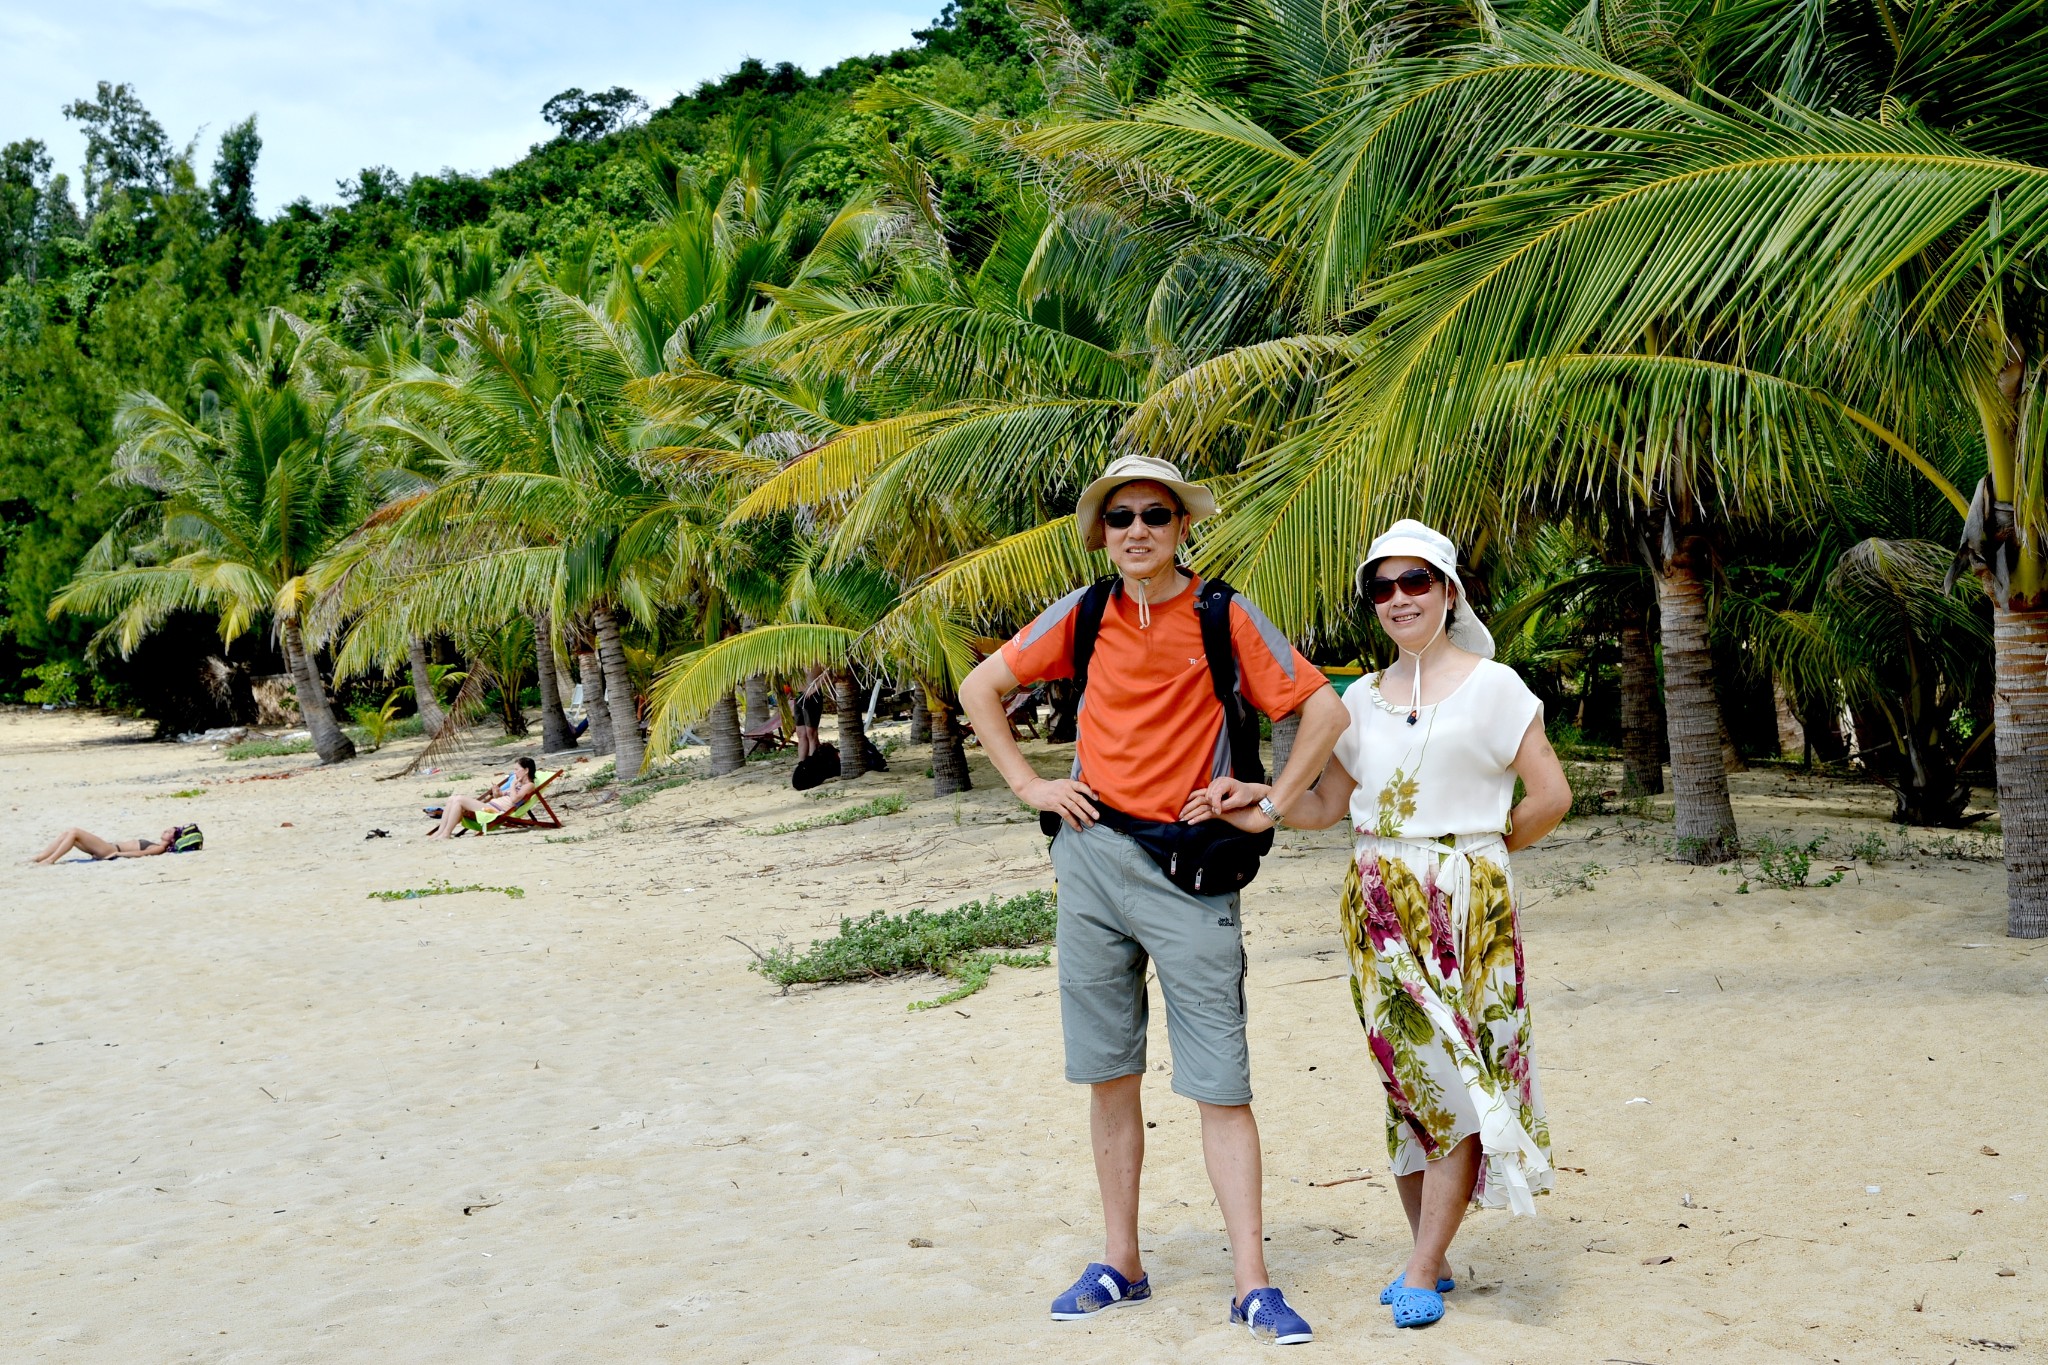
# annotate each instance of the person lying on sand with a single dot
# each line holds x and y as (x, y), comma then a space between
(102, 849)
(517, 786)
(1153, 736)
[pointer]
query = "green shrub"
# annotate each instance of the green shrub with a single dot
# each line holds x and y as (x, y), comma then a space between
(59, 685)
(866, 810)
(952, 943)
(439, 887)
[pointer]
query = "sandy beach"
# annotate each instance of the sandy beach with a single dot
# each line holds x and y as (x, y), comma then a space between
(252, 1113)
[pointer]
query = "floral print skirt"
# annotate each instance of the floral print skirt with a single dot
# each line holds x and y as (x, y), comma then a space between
(1436, 977)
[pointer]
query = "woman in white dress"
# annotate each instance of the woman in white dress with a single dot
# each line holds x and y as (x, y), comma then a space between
(1426, 773)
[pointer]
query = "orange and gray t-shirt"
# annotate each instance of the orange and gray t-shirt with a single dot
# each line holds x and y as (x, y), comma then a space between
(1151, 729)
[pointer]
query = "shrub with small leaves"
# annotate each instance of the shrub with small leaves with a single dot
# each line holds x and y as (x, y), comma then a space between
(952, 943)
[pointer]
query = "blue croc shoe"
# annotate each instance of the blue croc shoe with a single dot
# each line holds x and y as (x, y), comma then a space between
(1099, 1287)
(1444, 1286)
(1270, 1319)
(1416, 1307)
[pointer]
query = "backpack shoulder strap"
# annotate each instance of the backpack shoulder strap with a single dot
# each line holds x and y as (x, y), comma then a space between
(1240, 718)
(1088, 625)
(1214, 610)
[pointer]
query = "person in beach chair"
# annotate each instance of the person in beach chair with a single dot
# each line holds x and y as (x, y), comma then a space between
(1176, 671)
(508, 795)
(177, 839)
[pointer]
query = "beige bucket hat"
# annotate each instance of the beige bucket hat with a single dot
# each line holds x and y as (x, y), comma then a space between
(1197, 500)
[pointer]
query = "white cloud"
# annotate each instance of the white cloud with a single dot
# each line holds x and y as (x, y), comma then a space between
(416, 86)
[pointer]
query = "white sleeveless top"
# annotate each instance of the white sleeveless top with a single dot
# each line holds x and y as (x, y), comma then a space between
(1447, 773)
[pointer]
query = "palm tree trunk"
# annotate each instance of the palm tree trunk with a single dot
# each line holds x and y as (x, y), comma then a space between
(728, 750)
(949, 746)
(1284, 731)
(594, 709)
(760, 702)
(556, 734)
(852, 730)
(1641, 772)
(329, 742)
(1699, 782)
(921, 718)
(2019, 719)
(627, 744)
(432, 716)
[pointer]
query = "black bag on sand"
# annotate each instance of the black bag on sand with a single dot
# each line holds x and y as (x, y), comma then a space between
(1215, 857)
(822, 766)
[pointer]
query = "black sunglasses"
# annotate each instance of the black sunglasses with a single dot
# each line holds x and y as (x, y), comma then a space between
(1120, 518)
(1414, 583)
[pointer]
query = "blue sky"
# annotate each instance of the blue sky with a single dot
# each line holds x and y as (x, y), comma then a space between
(416, 85)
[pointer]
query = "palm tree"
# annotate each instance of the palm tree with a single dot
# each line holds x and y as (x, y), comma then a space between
(265, 478)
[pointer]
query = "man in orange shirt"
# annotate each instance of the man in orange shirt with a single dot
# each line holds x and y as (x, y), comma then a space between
(1153, 735)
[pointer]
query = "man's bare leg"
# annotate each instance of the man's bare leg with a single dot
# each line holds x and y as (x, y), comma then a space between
(1230, 1146)
(1116, 1123)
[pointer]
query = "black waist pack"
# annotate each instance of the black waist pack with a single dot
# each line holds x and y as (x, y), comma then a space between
(1213, 858)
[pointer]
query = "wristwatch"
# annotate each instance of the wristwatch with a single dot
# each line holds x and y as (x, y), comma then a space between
(1272, 812)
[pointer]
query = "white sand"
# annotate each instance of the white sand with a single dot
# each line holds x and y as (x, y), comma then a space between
(246, 1108)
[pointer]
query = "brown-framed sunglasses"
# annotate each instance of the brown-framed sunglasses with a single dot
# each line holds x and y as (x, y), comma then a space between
(1413, 583)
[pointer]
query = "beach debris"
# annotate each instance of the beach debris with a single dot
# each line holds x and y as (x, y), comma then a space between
(1637, 1100)
(1347, 1180)
(1873, 1189)
(920, 1241)
(1988, 1344)
(1597, 1244)
(2017, 1198)
(378, 834)
(284, 824)
(1685, 1201)
(1988, 1151)
(1656, 1260)
(2006, 1272)
(468, 1209)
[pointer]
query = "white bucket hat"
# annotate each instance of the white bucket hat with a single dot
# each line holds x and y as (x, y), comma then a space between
(1198, 501)
(1414, 540)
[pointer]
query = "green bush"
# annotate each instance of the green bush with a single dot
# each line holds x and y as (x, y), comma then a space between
(951, 943)
(59, 685)
(866, 810)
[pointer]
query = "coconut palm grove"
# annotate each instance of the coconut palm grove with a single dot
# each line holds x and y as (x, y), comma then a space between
(1717, 333)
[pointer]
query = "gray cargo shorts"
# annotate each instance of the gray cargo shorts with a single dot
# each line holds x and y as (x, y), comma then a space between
(1117, 909)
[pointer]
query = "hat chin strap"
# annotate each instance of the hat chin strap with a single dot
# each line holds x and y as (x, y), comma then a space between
(1415, 696)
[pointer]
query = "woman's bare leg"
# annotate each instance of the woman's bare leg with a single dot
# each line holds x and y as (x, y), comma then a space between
(1436, 1202)
(71, 839)
(452, 816)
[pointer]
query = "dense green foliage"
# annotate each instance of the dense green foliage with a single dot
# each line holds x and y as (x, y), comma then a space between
(116, 281)
(949, 942)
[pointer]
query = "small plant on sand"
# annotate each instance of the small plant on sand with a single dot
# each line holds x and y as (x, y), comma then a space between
(1783, 865)
(439, 887)
(953, 943)
(189, 791)
(376, 722)
(269, 748)
(881, 805)
(1565, 883)
(601, 776)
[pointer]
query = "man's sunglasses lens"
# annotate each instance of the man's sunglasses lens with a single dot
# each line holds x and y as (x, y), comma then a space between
(1414, 583)
(1120, 518)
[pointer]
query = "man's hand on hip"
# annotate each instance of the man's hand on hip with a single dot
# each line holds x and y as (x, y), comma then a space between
(1072, 801)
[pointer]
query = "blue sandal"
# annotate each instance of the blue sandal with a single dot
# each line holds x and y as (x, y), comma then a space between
(1416, 1307)
(1387, 1294)
(1100, 1287)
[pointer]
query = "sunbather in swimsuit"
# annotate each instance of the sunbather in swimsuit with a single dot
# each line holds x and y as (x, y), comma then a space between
(99, 849)
(460, 807)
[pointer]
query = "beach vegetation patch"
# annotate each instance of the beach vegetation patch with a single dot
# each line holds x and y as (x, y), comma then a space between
(960, 943)
(439, 887)
(892, 804)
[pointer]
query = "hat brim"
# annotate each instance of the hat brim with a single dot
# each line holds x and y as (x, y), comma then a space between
(1196, 500)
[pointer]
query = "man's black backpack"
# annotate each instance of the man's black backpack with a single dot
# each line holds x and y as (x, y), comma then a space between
(1213, 858)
